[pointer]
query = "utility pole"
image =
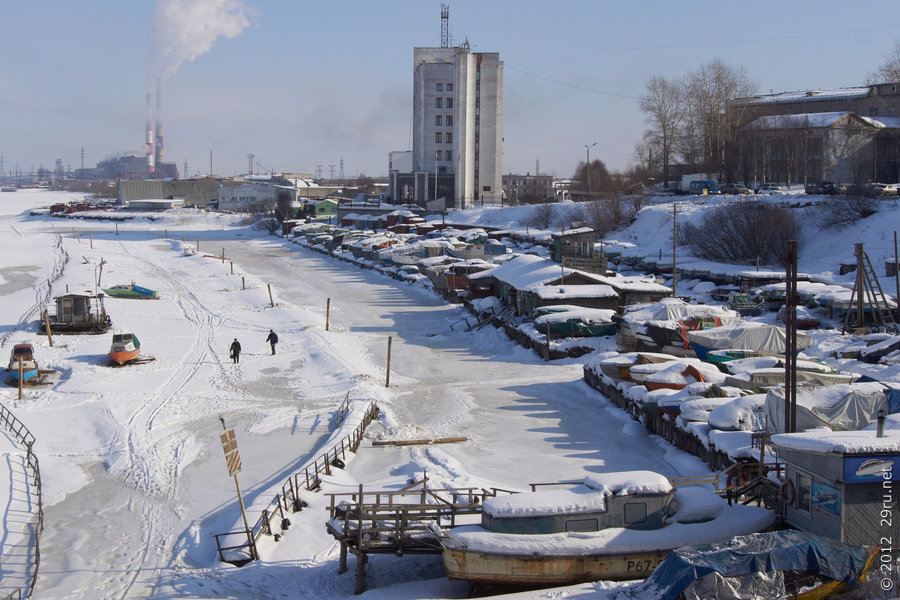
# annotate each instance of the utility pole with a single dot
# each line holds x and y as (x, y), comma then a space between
(588, 168)
(250, 158)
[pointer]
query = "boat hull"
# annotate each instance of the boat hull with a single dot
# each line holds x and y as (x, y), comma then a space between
(28, 373)
(124, 356)
(548, 571)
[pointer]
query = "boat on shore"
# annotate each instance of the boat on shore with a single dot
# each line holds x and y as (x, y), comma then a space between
(776, 564)
(614, 526)
(21, 360)
(131, 291)
(125, 348)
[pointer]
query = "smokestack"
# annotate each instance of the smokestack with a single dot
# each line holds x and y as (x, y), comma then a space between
(159, 134)
(149, 138)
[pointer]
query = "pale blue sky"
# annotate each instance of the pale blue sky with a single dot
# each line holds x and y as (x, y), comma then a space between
(306, 83)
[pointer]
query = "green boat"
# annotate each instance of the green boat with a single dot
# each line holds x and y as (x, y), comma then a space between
(575, 321)
(131, 291)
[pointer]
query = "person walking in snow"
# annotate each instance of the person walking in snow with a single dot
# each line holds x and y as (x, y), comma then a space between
(272, 339)
(236, 351)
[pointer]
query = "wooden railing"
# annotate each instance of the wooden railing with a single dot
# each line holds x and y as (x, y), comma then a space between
(25, 437)
(289, 499)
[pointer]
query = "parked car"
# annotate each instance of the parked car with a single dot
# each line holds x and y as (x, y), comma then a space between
(820, 187)
(698, 188)
(734, 188)
(891, 189)
(769, 189)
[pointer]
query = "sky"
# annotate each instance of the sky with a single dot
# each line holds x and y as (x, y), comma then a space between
(306, 85)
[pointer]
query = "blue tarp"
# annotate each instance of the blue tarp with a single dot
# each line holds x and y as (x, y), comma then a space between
(777, 550)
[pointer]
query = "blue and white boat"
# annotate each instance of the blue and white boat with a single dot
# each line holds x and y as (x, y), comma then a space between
(21, 360)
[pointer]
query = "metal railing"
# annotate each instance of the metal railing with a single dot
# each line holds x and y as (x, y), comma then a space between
(25, 437)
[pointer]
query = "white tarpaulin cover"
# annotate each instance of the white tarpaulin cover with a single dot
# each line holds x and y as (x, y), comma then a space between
(763, 338)
(842, 407)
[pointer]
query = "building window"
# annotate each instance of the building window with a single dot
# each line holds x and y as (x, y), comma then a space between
(449, 121)
(437, 120)
(449, 87)
(440, 87)
(449, 103)
(437, 155)
(437, 137)
(449, 137)
(449, 154)
(439, 103)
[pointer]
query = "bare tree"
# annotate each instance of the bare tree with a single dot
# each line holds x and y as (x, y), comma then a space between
(889, 70)
(663, 103)
(710, 91)
(283, 205)
(600, 179)
(541, 216)
(742, 232)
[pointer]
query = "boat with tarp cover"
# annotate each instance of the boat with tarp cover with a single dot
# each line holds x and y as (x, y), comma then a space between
(776, 564)
(131, 291)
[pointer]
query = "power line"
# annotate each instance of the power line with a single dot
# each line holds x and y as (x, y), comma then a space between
(569, 85)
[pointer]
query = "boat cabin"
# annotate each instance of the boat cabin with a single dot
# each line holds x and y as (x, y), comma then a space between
(23, 351)
(78, 313)
(632, 500)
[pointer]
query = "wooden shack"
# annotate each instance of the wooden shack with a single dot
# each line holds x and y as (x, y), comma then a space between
(839, 484)
(77, 313)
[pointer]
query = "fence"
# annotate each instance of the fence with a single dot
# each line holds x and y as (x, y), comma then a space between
(45, 296)
(289, 498)
(25, 437)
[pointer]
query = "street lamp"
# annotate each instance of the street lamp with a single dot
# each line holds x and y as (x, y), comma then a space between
(588, 167)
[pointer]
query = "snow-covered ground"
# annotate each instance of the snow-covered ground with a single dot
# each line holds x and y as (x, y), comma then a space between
(134, 480)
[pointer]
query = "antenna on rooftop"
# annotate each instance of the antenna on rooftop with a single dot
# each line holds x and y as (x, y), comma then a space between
(445, 26)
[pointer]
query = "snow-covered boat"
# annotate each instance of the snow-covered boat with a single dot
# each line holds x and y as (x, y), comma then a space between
(22, 354)
(764, 339)
(131, 291)
(125, 347)
(566, 320)
(612, 526)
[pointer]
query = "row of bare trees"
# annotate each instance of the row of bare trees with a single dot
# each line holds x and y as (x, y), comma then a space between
(692, 120)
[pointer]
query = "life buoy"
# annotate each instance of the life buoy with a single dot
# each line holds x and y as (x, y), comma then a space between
(736, 477)
(786, 492)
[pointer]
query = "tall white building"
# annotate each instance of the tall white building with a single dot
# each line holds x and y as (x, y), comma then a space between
(457, 128)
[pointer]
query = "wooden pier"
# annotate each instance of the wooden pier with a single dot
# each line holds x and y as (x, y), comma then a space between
(398, 522)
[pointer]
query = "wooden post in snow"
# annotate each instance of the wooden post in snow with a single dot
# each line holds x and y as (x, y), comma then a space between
(117, 229)
(547, 357)
(387, 377)
(232, 267)
(327, 312)
(243, 285)
(47, 324)
(166, 233)
(223, 256)
(271, 301)
(20, 377)
(91, 233)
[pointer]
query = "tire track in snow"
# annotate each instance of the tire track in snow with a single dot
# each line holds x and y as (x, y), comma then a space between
(151, 462)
